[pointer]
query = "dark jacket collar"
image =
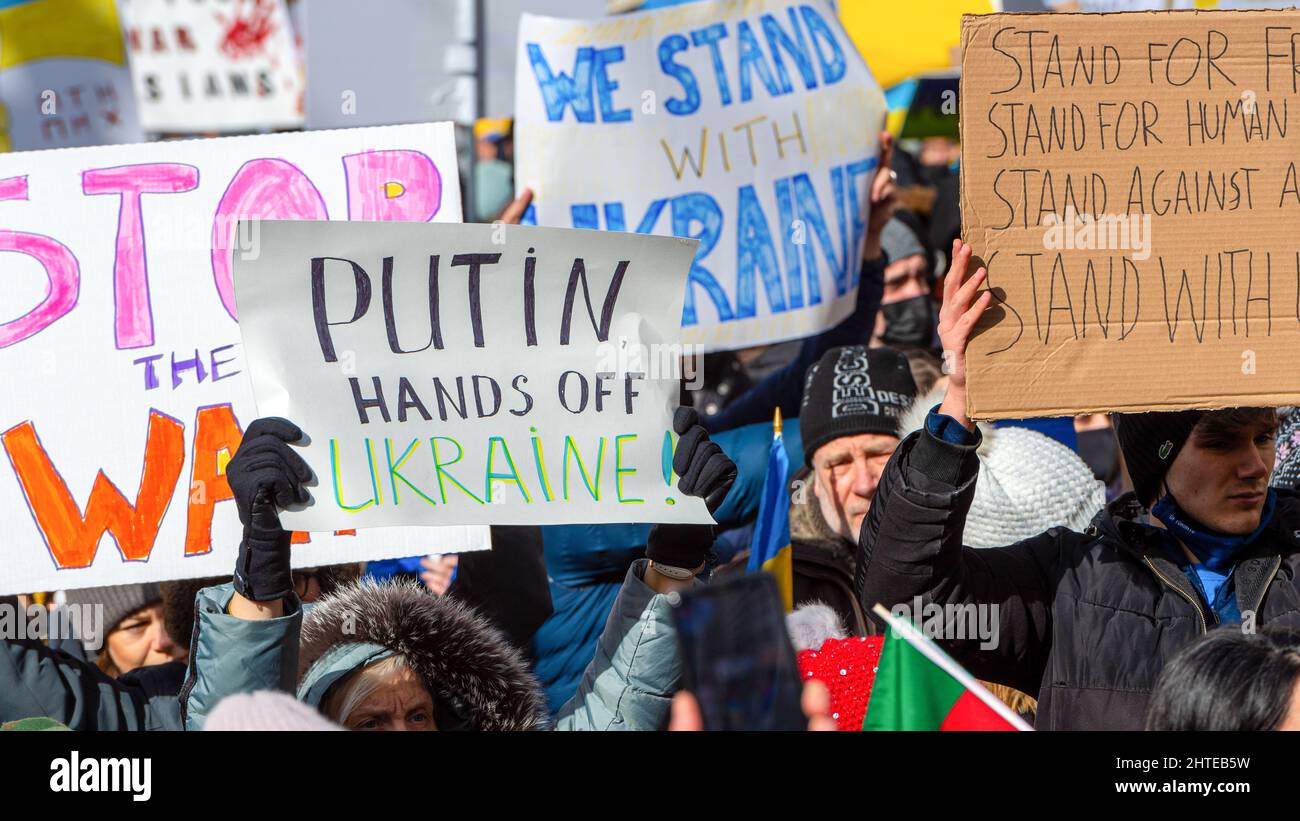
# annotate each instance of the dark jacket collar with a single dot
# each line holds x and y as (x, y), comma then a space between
(1120, 525)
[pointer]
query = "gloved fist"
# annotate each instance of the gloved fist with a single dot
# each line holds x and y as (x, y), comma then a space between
(706, 472)
(267, 474)
(264, 476)
(704, 469)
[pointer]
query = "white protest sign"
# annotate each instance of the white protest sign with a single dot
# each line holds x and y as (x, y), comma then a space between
(126, 389)
(750, 126)
(471, 373)
(213, 65)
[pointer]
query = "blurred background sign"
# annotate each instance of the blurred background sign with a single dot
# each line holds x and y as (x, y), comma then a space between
(924, 106)
(64, 79)
(213, 65)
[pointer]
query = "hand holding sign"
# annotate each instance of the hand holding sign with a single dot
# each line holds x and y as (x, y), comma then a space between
(266, 474)
(706, 472)
(471, 373)
(961, 310)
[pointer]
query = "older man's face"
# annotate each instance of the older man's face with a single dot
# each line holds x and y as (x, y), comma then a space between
(847, 471)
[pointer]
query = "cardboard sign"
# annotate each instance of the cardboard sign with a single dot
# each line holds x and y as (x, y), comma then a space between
(471, 373)
(1132, 182)
(213, 65)
(749, 126)
(126, 388)
(64, 80)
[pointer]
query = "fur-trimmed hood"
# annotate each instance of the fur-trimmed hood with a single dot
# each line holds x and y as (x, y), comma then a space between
(466, 663)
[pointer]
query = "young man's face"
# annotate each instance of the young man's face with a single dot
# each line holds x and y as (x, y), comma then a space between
(1220, 477)
(847, 471)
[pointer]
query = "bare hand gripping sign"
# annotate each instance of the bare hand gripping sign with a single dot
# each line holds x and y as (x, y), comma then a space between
(471, 374)
(1131, 182)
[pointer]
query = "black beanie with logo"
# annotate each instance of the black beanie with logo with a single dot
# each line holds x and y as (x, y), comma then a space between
(851, 391)
(1150, 442)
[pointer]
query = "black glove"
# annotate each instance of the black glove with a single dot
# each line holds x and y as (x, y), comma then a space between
(704, 469)
(706, 472)
(265, 475)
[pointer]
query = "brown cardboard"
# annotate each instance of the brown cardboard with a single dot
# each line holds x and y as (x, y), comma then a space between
(1049, 347)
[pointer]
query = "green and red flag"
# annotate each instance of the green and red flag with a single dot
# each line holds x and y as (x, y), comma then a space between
(919, 687)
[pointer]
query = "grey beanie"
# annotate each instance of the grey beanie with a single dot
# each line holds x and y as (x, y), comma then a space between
(899, 241)
(119, 601)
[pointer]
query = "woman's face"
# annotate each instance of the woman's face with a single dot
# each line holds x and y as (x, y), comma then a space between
(140, 640)
(399, 703)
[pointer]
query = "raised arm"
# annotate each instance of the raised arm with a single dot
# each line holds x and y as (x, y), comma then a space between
(630, 683)
(784, 387)
(910, 549)
(246, 632)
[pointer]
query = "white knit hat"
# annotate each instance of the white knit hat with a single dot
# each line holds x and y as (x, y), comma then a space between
(265, 710)
(1028, 482)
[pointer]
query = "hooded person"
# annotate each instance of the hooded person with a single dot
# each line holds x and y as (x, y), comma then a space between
(395, 657)
(907, 315)
(1086, 619)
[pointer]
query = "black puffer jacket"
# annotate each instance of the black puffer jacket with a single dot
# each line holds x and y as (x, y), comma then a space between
(1086, 621)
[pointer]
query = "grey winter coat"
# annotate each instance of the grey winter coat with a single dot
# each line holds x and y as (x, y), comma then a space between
(36, 680)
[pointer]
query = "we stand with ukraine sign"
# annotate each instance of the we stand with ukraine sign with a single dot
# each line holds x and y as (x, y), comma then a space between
(751, 127)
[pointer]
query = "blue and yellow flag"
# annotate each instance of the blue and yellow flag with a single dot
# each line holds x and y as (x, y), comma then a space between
(770, 548)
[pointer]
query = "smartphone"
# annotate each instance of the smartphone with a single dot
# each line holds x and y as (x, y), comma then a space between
(737, 658)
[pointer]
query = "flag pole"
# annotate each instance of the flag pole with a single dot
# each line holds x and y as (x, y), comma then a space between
(935, 653)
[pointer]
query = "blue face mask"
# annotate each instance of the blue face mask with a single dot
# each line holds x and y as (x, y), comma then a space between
(1215, 550)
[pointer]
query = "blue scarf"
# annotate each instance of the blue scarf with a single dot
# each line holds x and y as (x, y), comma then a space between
(1214, 550)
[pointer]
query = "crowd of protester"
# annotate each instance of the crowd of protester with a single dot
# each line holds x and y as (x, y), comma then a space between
(1144, 566)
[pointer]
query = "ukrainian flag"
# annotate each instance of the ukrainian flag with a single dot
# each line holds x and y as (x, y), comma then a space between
(770, 549)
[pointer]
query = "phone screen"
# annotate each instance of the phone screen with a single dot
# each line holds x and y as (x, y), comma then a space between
(738, 660)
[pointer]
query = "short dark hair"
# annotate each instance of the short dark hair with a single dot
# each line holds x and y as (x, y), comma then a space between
(1228, 680)
(1233, 421)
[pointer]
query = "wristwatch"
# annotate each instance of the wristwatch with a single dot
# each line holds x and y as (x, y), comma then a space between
(675, 572)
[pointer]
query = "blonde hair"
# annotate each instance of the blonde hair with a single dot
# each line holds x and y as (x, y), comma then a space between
(346, 696)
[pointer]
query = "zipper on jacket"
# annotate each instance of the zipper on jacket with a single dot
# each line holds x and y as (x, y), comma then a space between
(1199, 612)
(1263, 591)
